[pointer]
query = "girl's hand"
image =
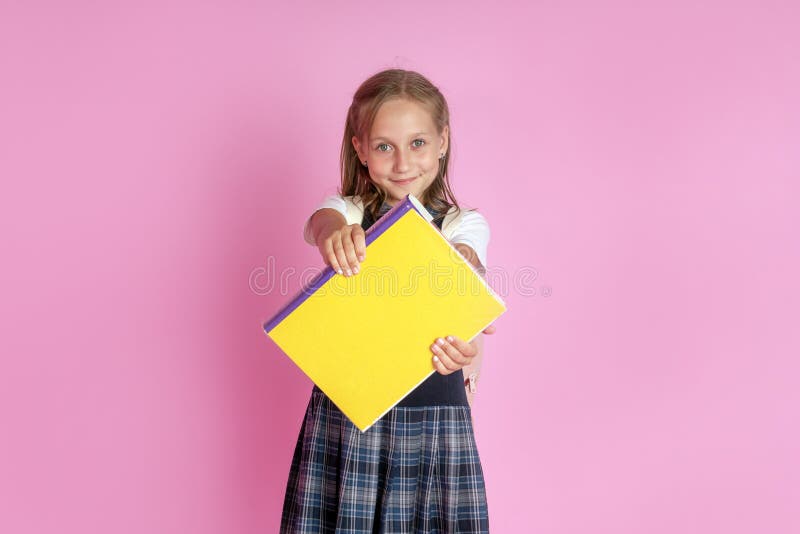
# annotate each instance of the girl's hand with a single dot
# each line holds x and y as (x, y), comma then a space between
(451, 354)
(343, 247)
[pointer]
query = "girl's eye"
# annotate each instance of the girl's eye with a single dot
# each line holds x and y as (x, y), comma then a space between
(378, 147)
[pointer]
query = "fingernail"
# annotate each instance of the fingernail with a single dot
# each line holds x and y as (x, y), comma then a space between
(339, 271)
(435, 348)
(436, 358)
(450, 338)
(440, 341)
(349, 273)
(361, 257)
(355, 269)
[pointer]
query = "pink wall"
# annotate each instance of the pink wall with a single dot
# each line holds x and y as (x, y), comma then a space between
(643, 162)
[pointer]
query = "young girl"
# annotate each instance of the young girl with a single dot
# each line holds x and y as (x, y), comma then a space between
(416, 469)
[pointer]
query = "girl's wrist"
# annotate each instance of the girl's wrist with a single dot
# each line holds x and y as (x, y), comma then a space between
(325, 221)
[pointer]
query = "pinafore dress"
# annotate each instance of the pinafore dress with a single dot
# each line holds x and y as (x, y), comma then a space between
(416, 470)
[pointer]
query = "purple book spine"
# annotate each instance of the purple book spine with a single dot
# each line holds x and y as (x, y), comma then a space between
(374, 231)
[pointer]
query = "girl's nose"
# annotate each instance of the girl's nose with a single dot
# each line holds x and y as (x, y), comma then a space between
(400, 161)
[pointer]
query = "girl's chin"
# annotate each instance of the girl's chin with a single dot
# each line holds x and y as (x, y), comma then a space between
(397, 192)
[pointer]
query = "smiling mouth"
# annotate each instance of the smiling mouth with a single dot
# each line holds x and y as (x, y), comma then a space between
(407, 180)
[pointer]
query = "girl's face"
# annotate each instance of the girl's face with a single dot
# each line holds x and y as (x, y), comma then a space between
(403, 149)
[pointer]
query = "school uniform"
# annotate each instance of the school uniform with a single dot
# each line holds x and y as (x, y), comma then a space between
(416, 470)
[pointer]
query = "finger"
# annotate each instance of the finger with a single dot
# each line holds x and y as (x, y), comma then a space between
(350, 251)
(330, 256)
(341, 257)
(464, 348)
(439, 366)
(360, 242)
(491, 329)
(447, 361)
(450, 357)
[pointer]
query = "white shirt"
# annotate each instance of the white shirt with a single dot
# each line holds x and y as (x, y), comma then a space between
(472, 230)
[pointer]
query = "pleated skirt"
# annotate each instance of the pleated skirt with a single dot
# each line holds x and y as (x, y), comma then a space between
(416, 470)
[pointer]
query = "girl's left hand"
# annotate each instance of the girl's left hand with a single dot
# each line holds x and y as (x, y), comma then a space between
(451, 354)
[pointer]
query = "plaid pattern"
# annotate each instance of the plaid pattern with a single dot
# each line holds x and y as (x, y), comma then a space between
(415, 470)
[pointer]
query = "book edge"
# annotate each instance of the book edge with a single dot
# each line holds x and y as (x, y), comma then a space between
(380, 226)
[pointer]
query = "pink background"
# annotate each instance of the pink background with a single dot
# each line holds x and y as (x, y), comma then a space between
(638, 167)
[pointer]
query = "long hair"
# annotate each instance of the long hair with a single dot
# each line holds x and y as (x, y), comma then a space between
(368, 98)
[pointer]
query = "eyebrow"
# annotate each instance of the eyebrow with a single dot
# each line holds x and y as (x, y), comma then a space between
(387, 139)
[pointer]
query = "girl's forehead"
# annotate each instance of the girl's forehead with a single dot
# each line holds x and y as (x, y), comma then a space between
(401, 118)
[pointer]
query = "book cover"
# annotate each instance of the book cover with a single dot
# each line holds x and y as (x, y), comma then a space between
(365, 340)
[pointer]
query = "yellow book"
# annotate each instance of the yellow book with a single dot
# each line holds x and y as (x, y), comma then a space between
(365, 340)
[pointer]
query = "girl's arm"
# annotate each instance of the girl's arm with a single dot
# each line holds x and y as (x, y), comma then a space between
(325, 219)
(341, 245)
(475, 365)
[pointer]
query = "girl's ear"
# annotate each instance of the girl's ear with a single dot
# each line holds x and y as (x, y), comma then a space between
(445, 138)
(357, 146)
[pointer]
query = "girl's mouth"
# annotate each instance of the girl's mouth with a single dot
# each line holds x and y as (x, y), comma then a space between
(404, 182)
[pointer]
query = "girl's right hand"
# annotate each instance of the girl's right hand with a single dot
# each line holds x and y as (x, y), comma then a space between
(343, 248)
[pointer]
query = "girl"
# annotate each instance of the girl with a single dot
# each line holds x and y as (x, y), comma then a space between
(416, 469)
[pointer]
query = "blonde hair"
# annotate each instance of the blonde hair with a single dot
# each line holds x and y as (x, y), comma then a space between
(368, 98)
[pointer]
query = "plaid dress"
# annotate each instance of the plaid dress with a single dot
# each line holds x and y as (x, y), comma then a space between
(416, 470)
